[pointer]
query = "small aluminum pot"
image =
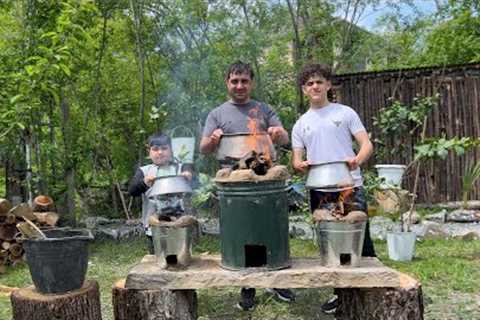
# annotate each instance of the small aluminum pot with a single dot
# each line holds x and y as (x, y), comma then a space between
(330, 176)
(169, 185)
(237, 145)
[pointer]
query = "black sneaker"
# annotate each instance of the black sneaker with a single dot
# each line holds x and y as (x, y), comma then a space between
(330, 306)
(283, 294)
(247, 302)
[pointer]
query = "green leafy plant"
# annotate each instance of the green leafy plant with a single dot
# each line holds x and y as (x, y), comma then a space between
(439, 147)
(204, 196)
(399, 121)
(471, 176)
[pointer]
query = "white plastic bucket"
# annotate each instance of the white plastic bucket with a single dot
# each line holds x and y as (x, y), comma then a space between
(183, 147)
(392, 174)
(401, 245)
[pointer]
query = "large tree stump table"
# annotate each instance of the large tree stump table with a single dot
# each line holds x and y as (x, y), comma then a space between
(84, 303)
(371, 291)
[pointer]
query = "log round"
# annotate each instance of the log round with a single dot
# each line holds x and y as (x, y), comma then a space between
(401, 303)
(131, 304)
(84, 303)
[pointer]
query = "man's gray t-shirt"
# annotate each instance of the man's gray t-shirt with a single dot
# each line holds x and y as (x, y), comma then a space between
(326, 134)
(233, 118)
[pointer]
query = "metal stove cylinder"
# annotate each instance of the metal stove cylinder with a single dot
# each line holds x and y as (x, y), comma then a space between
(254, 225)
(340, 243)
(172, 246)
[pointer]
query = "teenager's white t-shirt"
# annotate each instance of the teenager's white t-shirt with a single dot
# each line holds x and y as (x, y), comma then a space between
(326, 134)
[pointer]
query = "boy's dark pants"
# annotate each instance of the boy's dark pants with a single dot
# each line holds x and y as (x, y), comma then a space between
(355, 201)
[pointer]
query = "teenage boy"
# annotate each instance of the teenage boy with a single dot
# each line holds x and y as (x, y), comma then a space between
(161, 155)
(233, 117)
(325, 131)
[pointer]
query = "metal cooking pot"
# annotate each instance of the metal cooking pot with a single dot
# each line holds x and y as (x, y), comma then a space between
(169, 185)
(330, 176)
(237, 145)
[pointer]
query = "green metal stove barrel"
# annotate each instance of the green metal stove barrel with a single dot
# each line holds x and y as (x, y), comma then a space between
(254, 225)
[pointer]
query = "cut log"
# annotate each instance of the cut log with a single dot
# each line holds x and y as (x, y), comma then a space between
(5, 245)
(130, 304)
(5, 206)
(10, 219)
(16, 250)
(23, 210)
(7, 232)
(42, 203)
(84, 303)
(49, 218)
(401, 303)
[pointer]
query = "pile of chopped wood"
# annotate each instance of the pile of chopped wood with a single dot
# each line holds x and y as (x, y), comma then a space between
(42, 215)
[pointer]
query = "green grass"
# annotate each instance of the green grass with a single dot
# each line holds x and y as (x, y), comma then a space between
(448, 269)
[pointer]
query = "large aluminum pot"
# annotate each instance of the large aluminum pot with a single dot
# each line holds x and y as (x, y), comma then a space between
(330, 176)
(237, 145)
(169, 185)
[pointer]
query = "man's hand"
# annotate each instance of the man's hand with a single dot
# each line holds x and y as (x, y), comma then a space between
(216, 136)
(278, 135)
(149, 180)
(353, 163)
(301, 166)
(187, 175)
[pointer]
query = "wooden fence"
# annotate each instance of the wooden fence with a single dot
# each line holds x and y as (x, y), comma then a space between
(456, 115)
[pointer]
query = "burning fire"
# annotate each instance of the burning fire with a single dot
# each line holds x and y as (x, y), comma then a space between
(257, 141)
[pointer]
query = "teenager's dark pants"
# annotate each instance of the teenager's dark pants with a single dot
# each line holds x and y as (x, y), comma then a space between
(355, 201)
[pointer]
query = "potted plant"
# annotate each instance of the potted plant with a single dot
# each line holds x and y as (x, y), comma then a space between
(397, 124)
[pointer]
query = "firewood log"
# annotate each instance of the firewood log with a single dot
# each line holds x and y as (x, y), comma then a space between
(23, 210)
(3, 254)
(10, 219)
(48, 218)
(43, 203)
(3, 269)
(5, 206)
(5, 245)
(16, 250)
(7, 232)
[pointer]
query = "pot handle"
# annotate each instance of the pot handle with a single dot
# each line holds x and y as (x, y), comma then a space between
(176, 129)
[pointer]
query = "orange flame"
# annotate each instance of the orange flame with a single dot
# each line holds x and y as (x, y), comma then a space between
(257, 141)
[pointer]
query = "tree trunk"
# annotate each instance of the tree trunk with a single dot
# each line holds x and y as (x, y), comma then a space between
(131, 304)
(29, 304)
(402, 303)
(14, 176)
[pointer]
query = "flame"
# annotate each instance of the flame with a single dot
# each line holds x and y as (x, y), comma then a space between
(257, 141)
(343, 196)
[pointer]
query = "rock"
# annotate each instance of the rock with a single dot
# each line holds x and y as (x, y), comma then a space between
(92, 222)
(469, 236)
(391, 200)
(380, 225)
(209, 226)
(463, 215)
(440, 217)
(414, 219)
(432, 230)
(302, 230)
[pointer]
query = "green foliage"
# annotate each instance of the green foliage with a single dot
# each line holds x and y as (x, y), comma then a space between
(472, 175)
(371, 184)
(399, 121)
(438, 148)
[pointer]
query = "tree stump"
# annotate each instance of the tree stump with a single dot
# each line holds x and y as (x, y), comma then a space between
(84, 303)
(402, 303)
(131, 304)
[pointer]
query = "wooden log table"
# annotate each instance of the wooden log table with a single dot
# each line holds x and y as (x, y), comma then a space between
(371, 291)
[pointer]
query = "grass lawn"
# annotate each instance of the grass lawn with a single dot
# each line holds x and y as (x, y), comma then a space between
(448, 269)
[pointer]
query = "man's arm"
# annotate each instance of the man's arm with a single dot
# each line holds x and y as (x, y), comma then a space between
(366, 150)
(297, 160)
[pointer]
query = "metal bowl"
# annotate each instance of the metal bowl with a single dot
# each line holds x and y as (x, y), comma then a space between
(237, 145)
(169, 185)
(330, 176)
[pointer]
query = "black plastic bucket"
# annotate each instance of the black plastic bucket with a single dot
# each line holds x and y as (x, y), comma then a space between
(58, 263)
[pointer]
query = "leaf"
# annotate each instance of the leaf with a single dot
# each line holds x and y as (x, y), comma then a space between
(16, 98)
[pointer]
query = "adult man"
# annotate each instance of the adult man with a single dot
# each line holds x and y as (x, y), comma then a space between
(234, 116)
(325, 131)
